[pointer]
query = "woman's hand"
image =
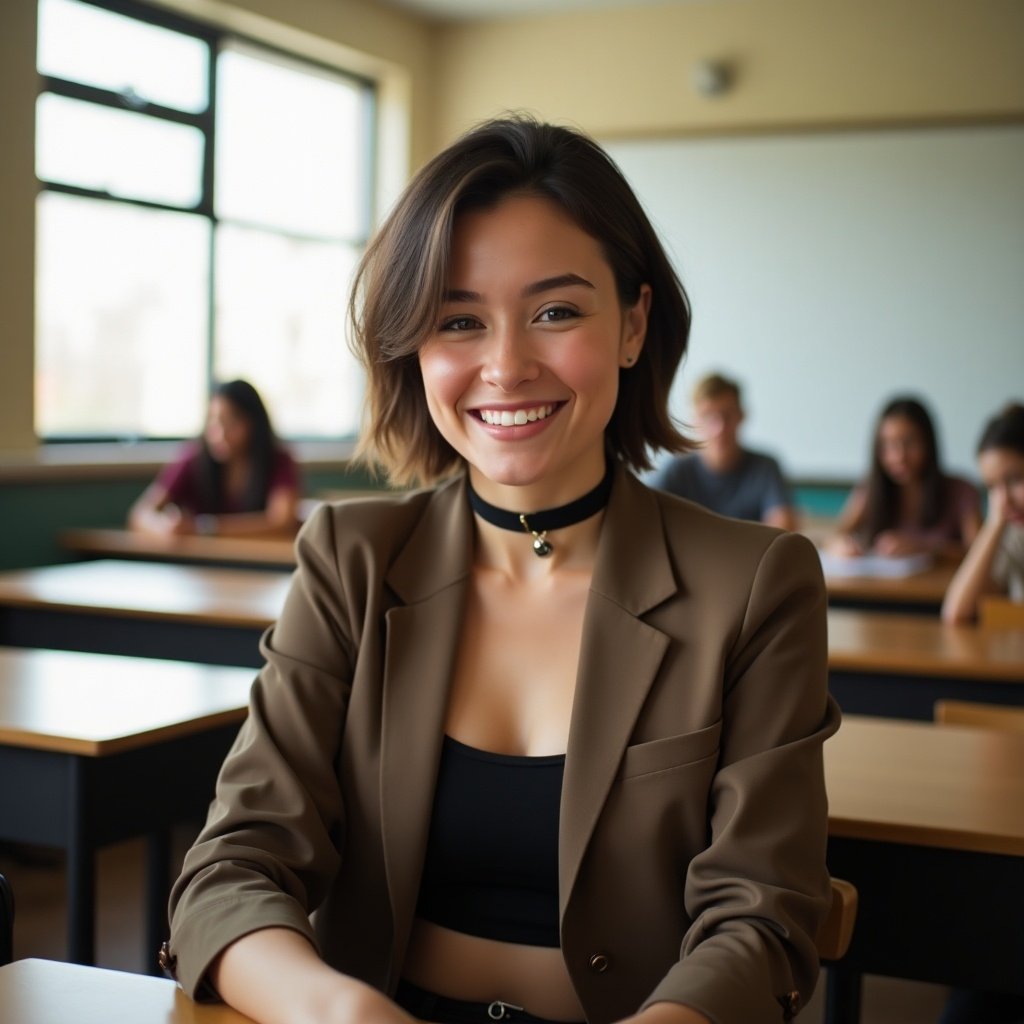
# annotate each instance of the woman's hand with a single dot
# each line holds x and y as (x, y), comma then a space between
(998, 511)
(667, 1013)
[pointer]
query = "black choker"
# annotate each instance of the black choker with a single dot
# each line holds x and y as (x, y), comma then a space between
(537, 524)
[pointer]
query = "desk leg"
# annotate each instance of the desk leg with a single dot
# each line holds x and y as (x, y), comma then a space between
(81, 870)
(842, 995)
(158, 871)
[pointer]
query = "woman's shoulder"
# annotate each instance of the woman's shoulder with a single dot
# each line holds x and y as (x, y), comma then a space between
(377, 522)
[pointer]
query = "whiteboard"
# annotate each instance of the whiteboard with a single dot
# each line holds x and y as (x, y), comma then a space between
(830, 271)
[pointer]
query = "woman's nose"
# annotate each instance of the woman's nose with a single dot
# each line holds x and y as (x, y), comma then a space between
(509, 360)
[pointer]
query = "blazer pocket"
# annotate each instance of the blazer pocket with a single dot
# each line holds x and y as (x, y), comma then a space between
(670, 752)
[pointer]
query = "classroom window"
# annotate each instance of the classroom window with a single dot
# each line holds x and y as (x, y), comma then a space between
(204, 201)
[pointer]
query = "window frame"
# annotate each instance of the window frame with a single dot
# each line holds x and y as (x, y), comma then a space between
(217, 40)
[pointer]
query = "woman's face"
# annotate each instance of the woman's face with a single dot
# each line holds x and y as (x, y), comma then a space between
(902, 450)
(227, 431)
(1002, 471)
(521, 373)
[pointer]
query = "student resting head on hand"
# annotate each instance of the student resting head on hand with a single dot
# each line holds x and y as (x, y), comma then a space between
(994, 563)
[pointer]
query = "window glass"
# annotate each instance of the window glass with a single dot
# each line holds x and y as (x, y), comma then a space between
(119, 152)
(121, 319)
(144, 63)
(280, 310)
(291, 146)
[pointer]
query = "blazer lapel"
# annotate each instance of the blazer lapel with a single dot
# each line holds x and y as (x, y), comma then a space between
(619, 659)
(429, 578)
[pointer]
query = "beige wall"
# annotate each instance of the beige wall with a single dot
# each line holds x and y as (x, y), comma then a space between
(799, 63)
(359, 35)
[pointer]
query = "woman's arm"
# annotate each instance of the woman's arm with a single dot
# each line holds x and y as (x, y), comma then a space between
(757, 894)
(844, 541)
(974, 577)
(276, 977)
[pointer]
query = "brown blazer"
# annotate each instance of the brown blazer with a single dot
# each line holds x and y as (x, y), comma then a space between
(693, 814)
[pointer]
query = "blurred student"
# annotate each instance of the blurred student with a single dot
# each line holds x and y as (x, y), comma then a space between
(995, 561)
(907, 505)
(722, 475)
(235, 480)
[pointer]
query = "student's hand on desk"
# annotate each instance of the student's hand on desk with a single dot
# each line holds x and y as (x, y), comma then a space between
(845, 545)
(893, 544)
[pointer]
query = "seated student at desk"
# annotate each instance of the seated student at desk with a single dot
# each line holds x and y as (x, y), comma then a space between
(722, 475)
(907, 505)
(995, 561)
(235, 480)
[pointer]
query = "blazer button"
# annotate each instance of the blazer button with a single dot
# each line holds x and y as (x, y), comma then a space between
(600, 962)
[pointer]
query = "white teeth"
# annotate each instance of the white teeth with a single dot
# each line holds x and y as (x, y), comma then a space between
(507, 418)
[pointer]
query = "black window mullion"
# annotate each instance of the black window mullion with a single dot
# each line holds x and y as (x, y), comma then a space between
(210, 205)
(119, 101)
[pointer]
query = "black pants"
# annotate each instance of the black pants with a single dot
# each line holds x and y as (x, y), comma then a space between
(967, 1007)
(426, 1005)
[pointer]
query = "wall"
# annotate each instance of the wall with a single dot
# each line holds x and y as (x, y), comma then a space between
(799, 63)
(358, 35)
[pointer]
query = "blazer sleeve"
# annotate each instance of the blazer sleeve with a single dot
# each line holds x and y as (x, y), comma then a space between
(270, 844)
(760, 889)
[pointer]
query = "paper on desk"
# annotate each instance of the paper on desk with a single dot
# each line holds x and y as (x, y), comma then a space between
(883, 566)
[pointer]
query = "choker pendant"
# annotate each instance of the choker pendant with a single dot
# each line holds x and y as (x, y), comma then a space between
(538, 524)
(541, 546)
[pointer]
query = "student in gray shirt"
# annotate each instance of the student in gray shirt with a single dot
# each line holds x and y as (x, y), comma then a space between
(722, 475)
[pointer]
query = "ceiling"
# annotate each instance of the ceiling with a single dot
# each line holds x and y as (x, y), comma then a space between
(466, 10)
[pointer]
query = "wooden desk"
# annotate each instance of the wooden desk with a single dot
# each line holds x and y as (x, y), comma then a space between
(102, 748)
(142, 608)
(928, 822)
(47, 992)
(899, 665)
(266, 552)
(921, 593)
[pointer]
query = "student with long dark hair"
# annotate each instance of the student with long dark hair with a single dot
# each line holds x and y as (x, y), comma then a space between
(534, 743)
(907, 504)
(995, 562)
(236, 479)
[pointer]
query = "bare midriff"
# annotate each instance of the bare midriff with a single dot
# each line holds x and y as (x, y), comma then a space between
(480, 970)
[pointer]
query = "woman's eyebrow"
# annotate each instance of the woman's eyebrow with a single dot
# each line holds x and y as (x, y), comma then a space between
(545, 285)
(560, 281)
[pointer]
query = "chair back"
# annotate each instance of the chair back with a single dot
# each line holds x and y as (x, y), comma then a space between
(1000, 613)
(837, 929)
(987, 716)
(6, 922)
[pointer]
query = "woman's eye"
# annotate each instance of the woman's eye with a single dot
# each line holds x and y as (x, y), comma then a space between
(556, 314)
(460, 323)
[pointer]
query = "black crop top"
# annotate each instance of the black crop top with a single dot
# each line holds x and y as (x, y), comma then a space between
(491, 866)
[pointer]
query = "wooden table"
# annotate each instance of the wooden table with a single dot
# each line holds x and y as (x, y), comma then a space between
(899, 665)
(184, 612)
(47, 992)
(95, 749)
(928, 822)
(266, 552)
(920, 593)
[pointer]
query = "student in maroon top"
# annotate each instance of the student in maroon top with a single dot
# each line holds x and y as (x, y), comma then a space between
(236, 479)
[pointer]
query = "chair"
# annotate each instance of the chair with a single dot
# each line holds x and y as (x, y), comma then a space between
(1000, 613)
(835, 933)
(842, 993)
(988, 716)
(6, 921)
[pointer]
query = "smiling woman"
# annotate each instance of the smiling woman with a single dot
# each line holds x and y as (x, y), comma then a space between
(535, 742)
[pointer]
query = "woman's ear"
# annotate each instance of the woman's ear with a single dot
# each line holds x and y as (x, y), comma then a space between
(634, 327)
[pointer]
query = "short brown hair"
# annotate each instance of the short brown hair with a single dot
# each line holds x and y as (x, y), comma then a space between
(714, 385)
(401, 280)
